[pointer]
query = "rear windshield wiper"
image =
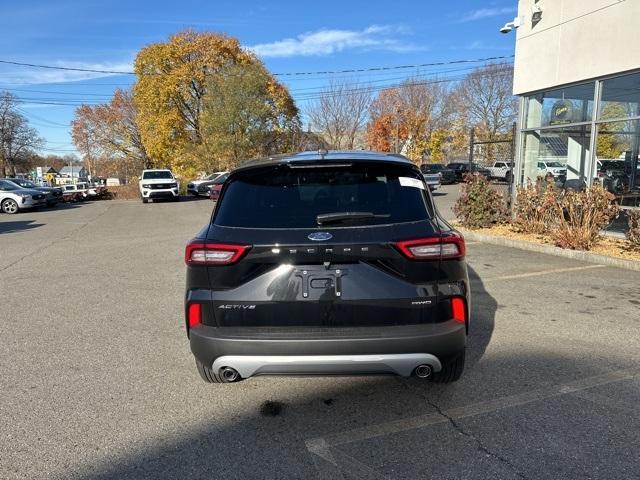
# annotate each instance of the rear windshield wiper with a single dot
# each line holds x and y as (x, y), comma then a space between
(346, 216)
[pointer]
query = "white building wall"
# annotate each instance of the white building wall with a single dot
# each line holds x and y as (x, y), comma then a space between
(575, 40)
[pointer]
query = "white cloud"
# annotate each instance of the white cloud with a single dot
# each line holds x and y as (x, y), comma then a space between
(35, 76)
(328, 41)
(486, 13)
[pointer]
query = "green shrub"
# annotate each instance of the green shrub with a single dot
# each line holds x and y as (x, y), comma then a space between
(633, 234)
(579, 217)
(533, 210)
(479, 205)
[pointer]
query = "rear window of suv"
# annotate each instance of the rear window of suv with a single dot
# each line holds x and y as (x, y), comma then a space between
(284, 197)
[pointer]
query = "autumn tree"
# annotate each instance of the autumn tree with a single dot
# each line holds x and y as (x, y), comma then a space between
(173, 78)
(613, 137)
(17, 138)
(340, 113)
(110, 132)
(245, 114)
(485, 100)
(405, 118)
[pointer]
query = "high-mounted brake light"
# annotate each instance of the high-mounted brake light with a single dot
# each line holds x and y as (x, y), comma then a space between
(194, 315)
(449, 245)
(214, 253)
(459, 309)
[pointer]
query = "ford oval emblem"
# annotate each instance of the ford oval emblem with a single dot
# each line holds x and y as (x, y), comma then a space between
(320, 236)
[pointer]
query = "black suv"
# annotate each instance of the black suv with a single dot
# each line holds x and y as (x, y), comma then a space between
(447, 176)
(461, 169)
(329, 263)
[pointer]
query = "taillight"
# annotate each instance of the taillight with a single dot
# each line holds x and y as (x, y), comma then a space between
(448, 245)
(459, 309)
(214, 253)
(194, 315)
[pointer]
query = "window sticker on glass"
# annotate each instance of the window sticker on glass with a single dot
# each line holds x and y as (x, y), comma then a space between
(411, 182)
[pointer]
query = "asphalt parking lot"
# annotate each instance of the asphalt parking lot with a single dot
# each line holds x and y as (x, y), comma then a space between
(98, 381)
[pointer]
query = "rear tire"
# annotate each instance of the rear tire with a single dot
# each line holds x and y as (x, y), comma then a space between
(207, 374)
(451, 371)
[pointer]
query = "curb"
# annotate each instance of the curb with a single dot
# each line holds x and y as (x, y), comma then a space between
(550, 250)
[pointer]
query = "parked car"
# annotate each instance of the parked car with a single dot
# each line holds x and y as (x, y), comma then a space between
(447, 176)
(53, 195)
(75, 192)
(193, 185)
(555, 168)
(614, 175)
(461, 169)
(14, 198)
(327, 263)
(502, 171)
(432, 180)
(215, 187)
(158, 183)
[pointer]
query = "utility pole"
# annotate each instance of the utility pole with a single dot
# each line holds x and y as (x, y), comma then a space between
(472, 141)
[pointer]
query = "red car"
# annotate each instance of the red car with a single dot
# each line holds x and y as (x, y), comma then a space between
(215, 186)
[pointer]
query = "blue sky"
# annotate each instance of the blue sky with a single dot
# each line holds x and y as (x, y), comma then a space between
(290, 36)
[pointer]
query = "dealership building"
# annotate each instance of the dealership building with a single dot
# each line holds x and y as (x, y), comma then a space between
(577, 73)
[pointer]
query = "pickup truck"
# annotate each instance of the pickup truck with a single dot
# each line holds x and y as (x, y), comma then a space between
(557, 169)
(501, 171)
(75, 192)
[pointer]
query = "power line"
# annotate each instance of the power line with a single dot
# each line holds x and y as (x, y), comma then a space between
(398, 67)
(57, 93)
(48, 123)
(284, 74)
(292, 90)
(69, 69)
(312, 94)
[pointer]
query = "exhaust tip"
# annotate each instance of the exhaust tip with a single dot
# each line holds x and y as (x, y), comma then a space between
(229, 374)
(423, 371)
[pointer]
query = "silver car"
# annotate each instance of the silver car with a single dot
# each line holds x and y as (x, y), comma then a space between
(14, 198)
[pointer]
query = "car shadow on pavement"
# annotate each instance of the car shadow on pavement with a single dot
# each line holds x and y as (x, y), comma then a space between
(482, 319)
(18, 226)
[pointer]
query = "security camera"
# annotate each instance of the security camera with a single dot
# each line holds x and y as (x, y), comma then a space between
(510, 26)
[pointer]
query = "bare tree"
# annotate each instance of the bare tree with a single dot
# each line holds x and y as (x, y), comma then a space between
(485, 98)
(110, 131)
(17, 139)
(340, 113)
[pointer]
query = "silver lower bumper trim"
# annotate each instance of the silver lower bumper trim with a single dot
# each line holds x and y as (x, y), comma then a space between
(399, 364)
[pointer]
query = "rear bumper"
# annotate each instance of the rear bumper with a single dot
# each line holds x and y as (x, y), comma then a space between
(366, 350)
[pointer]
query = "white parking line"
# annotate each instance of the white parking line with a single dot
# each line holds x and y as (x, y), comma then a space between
(321, 445)
(542, 272)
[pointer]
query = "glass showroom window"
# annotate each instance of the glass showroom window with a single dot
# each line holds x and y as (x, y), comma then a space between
(618, 142)
(620, 97)
(618, 160)
(560, 152)
(561, 106)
